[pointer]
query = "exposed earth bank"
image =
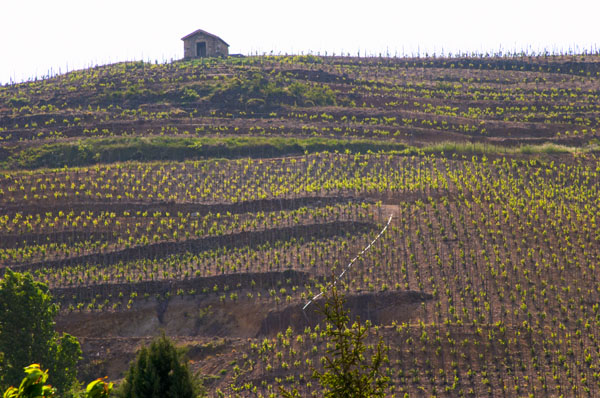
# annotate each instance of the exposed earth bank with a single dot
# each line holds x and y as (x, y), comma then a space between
(211, 328)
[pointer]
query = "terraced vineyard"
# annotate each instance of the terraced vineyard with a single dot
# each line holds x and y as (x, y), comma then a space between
(212, 199)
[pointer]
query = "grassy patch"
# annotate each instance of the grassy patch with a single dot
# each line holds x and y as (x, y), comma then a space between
(87, 152)
(110, 150)
(490, 149)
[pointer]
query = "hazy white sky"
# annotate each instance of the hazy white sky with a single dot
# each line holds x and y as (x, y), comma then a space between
(37, 35)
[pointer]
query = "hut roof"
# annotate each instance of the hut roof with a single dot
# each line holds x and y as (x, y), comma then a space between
(204, 33)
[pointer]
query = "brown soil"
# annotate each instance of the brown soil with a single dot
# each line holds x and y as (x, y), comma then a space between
(379, 308)
(208, 326)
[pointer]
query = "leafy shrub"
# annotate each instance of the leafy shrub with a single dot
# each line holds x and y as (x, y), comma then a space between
(320, 95)
(306, 94)
(263, 90)
(26, 305)
(189, 95)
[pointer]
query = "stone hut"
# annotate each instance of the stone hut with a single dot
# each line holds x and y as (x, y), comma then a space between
(200, 44)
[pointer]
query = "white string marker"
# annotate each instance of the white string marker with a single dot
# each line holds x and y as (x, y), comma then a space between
(352, 262)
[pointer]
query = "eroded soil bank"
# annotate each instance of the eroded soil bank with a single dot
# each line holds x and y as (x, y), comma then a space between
(210, 327)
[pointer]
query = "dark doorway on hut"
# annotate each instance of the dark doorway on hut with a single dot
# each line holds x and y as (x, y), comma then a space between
(201, 49)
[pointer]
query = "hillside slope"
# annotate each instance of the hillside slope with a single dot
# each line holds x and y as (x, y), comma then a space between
(211, 199)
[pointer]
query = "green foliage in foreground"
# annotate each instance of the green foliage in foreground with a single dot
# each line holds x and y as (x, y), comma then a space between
(34, 386)
(109, 150)
(27, 333)
(160, 371)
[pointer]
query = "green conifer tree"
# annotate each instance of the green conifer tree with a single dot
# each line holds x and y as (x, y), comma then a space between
(160, 371)
(348, 372)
